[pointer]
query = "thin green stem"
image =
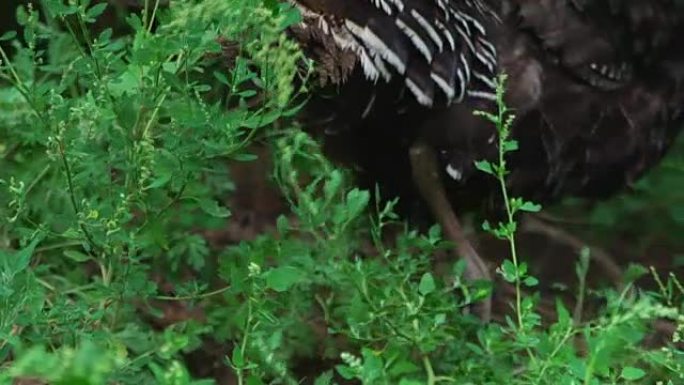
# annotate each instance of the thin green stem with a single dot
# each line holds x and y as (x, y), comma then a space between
(582, 277)
(150, 22)
(72, 196)
(432, 379)
(193, 296)
(503, 120)
(511, 220)
(245, 340)
(502, 123)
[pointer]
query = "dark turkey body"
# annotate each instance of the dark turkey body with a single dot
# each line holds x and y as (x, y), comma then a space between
(591, 143)
(580, 133)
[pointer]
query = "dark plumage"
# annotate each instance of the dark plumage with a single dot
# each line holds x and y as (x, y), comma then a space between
(611, 99)
(393, 91)
(597, 86)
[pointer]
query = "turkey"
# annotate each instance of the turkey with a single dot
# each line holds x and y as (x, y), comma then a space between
(596, 86)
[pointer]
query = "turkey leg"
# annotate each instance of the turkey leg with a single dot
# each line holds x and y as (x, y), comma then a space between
(426, 177)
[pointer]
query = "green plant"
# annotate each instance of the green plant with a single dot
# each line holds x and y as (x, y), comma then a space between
(113, 156)
(513, 270)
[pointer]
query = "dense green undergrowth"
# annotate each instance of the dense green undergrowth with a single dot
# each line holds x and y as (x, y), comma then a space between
(114, 153)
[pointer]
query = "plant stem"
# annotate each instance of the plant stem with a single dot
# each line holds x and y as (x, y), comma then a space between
(511, 220)
(72, 197)
(431, 380)
(193, 296)
(502, 125)
(245, 340)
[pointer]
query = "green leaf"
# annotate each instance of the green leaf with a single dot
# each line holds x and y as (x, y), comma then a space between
(124, 84)
(105, 36)
(564, 317)
(221, 77)
(213, 208)
(403, 366)
(244, 157)
(282, 278)
(237, 359)
(510, 145)
(332, 184)
(9, 35)
(530, 281)
(21, 259)
(530, 207)
(357, 200)
(632, 374)
(485, 166)
(96, 10)
(291, 16)
(509, 270)
(434, 234)
(486, 226)
(373, 365)
(427, 284)
(634, 272)
(76, 256)
(254, 380)
(324, 379)
(346, 372)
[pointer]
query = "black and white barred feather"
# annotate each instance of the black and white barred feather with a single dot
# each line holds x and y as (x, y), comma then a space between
(439, 48)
